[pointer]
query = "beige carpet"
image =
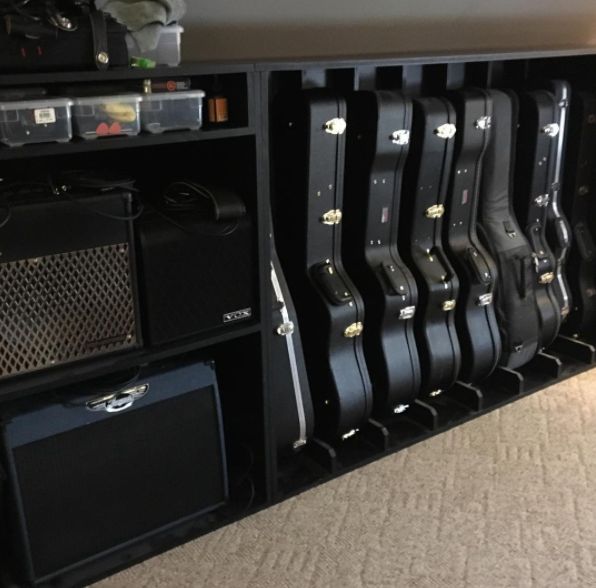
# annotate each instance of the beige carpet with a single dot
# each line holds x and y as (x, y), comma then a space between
(507, 500)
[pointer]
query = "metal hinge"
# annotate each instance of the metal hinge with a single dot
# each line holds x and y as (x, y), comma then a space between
(546, 278)
(542, 200)
(484, 300)
(335, 126)
(285, 329)
(299, 443)
(332, 217)
(551, 130)
(354, 330)
(448, 305)
(446, 131)
(401, 137)
(435, 211)
(407, 313)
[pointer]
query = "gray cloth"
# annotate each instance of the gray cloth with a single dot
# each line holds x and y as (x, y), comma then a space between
(145, 19)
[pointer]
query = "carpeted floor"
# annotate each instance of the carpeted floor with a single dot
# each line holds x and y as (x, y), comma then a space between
(507, 500)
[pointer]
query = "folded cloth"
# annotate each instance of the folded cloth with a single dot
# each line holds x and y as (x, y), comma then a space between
(145, 19)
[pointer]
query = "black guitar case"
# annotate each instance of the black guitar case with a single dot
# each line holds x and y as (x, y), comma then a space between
(537, 131)
(377, 145)
(515, 299)
(558, 231)
(292, 403)
(579, 192)
(425, 188)
(475, 319)
(309, 150)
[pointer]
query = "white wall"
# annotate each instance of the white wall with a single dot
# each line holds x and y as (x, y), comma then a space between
(242, 29)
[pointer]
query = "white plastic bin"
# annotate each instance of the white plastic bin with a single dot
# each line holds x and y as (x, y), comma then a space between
(106, 116)
(169, 111)
(168, 50)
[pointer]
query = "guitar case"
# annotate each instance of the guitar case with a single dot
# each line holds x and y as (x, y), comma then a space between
(558, 231)
(578, 202)
(309, 152)
(515, 300)
(475, 319)
(426, 180)
(292, 403)
(537, 132)
(377, 145)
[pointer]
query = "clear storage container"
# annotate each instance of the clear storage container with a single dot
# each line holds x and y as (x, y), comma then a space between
(169, 111)
(167, 51)
(44, 120)
(105, 116)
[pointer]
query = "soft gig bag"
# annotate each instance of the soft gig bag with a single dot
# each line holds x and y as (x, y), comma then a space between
(515, 299)
(310, 145)
(579, 190)
(537, 131)
(379, 131)
(475, 319)
(293, 411)
(425, 188)
(558, 231)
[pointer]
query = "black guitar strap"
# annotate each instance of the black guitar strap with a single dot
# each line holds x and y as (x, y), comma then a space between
(421, 223)
(515, 299)
(475, 319)
(378, 141)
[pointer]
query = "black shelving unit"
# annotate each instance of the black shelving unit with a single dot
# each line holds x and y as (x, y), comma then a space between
(242, 152)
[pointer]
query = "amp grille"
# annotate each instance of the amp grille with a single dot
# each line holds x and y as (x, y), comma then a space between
(65, 307)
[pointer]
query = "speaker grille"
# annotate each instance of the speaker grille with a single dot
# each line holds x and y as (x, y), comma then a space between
(64, 307)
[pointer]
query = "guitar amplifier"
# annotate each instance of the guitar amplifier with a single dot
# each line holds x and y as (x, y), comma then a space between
(67, 275)
(198, 268)
(100, 469)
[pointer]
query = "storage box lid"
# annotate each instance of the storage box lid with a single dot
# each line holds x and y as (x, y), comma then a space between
(35, 104)
(92, 100)
(185, 94)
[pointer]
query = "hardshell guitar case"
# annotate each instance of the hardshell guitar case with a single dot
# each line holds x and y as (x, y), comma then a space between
(515, 298)
(309, 167)
(558, 231)
(537, 131)
(423, 204)
(475, 318)
(579, 191)
(293, 410)
(379, 126)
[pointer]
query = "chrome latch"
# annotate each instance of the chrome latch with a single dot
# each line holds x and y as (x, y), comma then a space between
(542, 200)
(435, 393)
(335, 126)
(285, 329)
(354, 330)
(299, 443)
(484, 300)
(407, 313)
(446, 131)
(349, 434)
(119, 401)
(401, 137)
(483, 123)
(546, 278)
(332, 217)
(448, 305)
(551, 130)
(401, 408)
(435, 211)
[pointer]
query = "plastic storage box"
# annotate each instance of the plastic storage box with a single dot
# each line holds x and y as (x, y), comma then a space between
(105, 116)
(169, 111)
(45, 120)
(167, 51)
